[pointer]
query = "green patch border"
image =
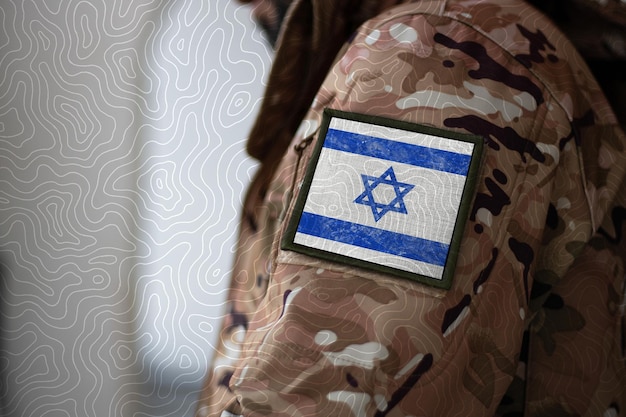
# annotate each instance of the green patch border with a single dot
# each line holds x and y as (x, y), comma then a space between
(287, 242)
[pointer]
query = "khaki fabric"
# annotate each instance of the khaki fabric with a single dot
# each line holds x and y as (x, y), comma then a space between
(534, 321)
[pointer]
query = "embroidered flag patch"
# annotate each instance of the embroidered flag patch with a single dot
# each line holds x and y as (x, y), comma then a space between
(386, 195)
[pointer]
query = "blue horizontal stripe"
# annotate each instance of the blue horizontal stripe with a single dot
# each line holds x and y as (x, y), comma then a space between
(379, 240)
(391, 150)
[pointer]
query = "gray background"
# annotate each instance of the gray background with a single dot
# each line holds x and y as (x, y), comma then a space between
(122, 126)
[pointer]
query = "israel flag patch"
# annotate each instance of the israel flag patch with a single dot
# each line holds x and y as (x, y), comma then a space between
(386, 195)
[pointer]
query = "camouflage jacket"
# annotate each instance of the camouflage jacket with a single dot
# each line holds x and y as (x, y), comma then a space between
(532, 321)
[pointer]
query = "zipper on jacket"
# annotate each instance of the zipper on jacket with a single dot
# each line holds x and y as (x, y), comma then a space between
(299, 149)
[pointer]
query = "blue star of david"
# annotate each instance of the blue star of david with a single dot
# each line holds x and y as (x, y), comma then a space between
(387, 178)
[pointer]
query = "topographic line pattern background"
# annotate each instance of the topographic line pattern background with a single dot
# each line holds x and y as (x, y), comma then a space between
(122, 127)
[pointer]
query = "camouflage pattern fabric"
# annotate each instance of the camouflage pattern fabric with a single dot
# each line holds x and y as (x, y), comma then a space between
(534, 323)
(596, 27)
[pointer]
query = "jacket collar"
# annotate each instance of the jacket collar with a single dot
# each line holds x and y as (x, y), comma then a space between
(313, 33)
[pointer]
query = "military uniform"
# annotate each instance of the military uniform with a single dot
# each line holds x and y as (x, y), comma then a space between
(523, 314)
